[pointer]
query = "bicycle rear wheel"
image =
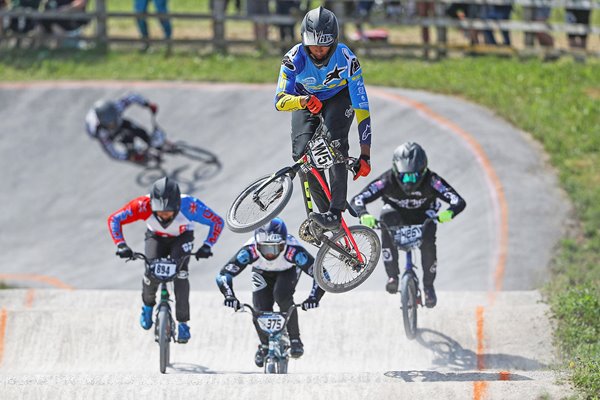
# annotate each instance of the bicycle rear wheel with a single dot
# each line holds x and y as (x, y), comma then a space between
(249, 211)
(164, 338)
(409, 305)
(337, 273)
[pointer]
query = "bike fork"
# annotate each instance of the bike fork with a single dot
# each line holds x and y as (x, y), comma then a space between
(348, 238)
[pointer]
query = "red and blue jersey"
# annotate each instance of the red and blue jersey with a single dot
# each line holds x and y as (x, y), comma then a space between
(192, 210)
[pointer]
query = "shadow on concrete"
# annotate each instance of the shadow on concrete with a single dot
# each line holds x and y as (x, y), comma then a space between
(434, 376)
(450, 354)
(189, 176)
(184, 368)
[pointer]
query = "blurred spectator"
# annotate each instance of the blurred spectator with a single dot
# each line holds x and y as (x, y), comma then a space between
(497, 13)
(363, 9)
(464, 11)
(68, 27)
(578, 12)
(238, 5)
(141, 6)
(257, 8)
(20, 24)
(425, 9)
(287, 7)
(542, 14)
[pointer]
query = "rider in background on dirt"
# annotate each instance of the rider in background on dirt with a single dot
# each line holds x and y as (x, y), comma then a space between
(169, 217)
(105, 122)
(276, 259)
(322, 75)
(410, 193)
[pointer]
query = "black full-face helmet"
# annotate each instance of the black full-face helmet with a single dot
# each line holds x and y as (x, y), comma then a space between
(409, 166)
(108, 115)
(320, 28)
(271, 239)
(165, 196)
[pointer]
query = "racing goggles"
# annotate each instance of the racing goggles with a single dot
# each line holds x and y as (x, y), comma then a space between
(270, 250)
(409, 177)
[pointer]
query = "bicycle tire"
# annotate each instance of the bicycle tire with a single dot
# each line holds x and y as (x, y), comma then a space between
(164, 338)
(409, 305)
(270, 366)
(245, 215)
(331, 264)
(282, 366)
(195, 153)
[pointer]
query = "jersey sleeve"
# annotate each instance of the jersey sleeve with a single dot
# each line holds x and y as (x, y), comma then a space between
(197, 211)
(247, 255)
(358, 96)
(303, 260)
(370, 193)
(136, 209)
(287, 97)
(129, 99)
(446, 193)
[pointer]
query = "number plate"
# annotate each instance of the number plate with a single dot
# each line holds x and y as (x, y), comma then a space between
(271, 323)
(408, 234)
(163, 269)
(321, 154)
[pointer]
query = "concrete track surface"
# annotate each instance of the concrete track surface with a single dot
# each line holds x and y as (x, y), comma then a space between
(489, 336)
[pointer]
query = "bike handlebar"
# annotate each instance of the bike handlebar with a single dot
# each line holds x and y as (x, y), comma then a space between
(255, 313)
(142, 256)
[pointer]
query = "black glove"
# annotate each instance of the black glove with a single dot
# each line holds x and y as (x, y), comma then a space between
(233, 302)
(310, 303)
(124, 251)
(204, 252)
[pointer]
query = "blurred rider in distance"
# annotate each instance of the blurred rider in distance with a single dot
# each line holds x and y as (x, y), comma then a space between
(105, 122)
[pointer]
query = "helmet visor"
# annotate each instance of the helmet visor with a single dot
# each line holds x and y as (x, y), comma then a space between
(270, 250)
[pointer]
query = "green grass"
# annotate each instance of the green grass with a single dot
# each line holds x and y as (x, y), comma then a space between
(558, 103)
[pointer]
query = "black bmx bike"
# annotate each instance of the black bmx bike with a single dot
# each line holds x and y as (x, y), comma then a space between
(346, 257)
(408, 238)
(206, 163)
(164, 271)
(274, 324)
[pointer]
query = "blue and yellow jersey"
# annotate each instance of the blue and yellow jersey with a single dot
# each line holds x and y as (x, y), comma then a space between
(299, 76)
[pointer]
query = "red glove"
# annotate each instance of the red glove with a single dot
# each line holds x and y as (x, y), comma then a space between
(314, 105)
(362, 167)
(153, 107)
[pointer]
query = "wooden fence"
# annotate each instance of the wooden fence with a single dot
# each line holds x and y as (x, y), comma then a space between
(219, 20)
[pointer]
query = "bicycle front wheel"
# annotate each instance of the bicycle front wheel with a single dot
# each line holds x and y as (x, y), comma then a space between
(408, 290)
(252, 209)
(338, 273)
(164, 338)
(196, 153)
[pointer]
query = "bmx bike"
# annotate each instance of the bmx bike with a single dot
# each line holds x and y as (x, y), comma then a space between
(274, 324)
(408, 238)
(164, 271)
(346, 257)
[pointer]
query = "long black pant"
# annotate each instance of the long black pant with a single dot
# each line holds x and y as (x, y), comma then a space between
(270, 287)
(338, 115)
(175, 247)
(389, 250)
